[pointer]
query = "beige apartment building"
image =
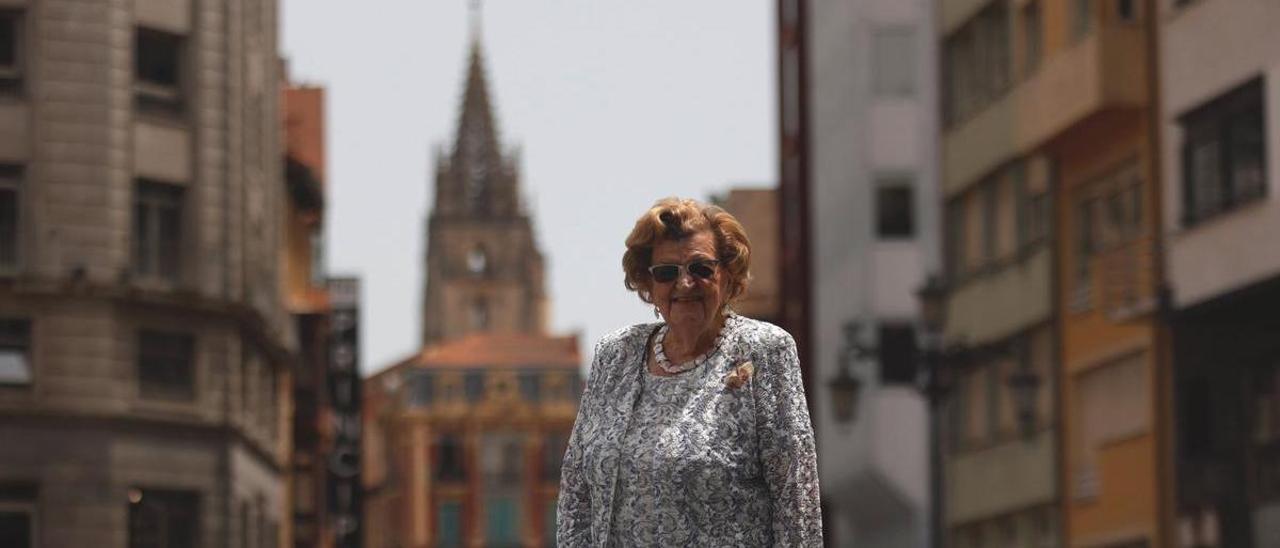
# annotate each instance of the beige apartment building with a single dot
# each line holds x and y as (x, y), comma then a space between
(144, 347)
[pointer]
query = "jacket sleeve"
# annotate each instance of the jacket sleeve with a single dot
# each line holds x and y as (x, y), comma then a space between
(573, 509)
(787, 453)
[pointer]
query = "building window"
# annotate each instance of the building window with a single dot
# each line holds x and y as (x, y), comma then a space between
(1112, 402)
(990, 221)
(895, 209)
(1087, 241)
(1224, 154)
(449, 524)
(10, 181)
(1081, 18)
(157, 230)
(1109, 213)
(553, 447)
(166, 367)
(270, 397)
(421, 390)
(502, 460)
(897, 345)
(163, 519)
(894, 64)
(157, 70)
(1127, 10)
(15, 352)
(957, 415)
(1032, 208)
(530, 386)
(450, 459)
(976, 63)
(502, 525)
(473, 384)
(1266, 435)
(956, 239)
(11, 51)
(1032, 36)
(18, 515)
(995, 394)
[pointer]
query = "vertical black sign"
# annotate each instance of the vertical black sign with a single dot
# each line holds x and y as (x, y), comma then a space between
(344, 397)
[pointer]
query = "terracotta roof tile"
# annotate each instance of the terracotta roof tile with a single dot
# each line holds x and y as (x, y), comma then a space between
(505, 350)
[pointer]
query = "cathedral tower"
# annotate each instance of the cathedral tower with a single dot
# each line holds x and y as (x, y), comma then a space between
(483, 265)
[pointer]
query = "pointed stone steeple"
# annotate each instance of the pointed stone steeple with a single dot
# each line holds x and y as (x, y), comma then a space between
(479, 177)
(484, 269)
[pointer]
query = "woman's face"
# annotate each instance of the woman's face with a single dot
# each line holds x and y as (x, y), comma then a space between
(689, 302)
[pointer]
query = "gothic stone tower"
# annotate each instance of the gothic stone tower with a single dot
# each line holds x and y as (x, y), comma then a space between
(484, 269)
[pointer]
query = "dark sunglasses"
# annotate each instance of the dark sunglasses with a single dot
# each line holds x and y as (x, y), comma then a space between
(666, 273)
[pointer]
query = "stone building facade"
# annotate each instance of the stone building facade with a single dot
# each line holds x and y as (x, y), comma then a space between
(145, 357)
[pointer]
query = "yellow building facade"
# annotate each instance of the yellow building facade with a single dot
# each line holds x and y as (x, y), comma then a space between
(463, 442)
(1049, 173)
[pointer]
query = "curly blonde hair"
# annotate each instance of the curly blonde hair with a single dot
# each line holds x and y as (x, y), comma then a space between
(676, 219)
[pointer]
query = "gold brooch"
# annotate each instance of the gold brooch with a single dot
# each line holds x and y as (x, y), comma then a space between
(740, 375)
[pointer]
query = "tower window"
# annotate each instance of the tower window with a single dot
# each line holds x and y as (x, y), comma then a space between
(477, 261)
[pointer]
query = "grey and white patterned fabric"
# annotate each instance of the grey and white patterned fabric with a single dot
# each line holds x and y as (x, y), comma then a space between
(690, 460)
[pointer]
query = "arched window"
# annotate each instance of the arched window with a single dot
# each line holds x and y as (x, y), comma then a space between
(477, 261)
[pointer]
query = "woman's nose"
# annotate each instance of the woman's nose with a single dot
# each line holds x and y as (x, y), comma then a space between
(686, 279)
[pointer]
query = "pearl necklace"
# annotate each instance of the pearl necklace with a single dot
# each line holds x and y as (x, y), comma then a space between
(665, 364)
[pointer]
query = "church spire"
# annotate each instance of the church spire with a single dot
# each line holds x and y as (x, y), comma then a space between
(484, 271)
(478, 162)
(474, 10)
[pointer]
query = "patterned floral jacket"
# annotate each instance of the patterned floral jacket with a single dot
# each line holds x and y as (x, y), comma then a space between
(742, 465)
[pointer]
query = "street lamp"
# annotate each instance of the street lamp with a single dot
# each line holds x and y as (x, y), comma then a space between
(935, 362)
(846, 388)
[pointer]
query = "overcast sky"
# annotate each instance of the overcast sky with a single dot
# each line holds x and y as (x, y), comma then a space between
(615, 103)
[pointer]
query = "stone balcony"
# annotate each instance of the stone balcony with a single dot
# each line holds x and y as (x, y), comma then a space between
(1103, 71)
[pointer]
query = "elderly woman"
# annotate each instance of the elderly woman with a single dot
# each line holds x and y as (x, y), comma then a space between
(693, 431)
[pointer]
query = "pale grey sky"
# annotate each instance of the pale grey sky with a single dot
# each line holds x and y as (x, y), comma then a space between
(614, 103)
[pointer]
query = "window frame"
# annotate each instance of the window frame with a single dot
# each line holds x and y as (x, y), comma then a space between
(23, 497)
(977, 64)
(152, 200)
(12, 76)
(152, 96)
(453, 445)
(458, 520)
(169, 497)
(896, 342)
(11, 181)
(512, 536)
(154, 389)
(885, 227)
(888, 40)
(1083, 14)
(1031, 16)
(19, 339)
(990, 196)
(1209, 128)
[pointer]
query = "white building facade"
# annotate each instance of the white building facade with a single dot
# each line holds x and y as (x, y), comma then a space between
(871, 98)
